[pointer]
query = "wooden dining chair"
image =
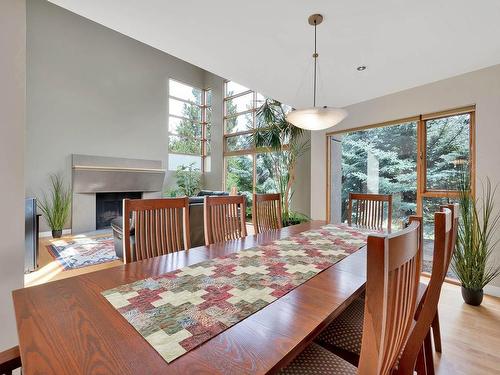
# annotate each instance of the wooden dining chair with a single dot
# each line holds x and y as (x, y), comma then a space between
(266, 212)
(393, 272)
(448, 256)
(367, 210)
(10, 360)
(224, 218)
(161, 226)
(444, 233)
(344, 335)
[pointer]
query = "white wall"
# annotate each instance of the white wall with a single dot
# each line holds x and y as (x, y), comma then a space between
(212, 180)
(302, 188)
(91, 90)
(481, 87)
(12, 119)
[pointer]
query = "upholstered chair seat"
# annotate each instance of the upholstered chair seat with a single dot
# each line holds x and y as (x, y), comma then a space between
(344, 334)
(346, 331)
(319, 361)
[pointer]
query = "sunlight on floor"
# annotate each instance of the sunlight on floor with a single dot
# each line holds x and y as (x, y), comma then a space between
(43, 275)
(50, 269)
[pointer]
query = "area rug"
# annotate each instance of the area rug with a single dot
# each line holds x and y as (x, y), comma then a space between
(180, 310)
(83, 250)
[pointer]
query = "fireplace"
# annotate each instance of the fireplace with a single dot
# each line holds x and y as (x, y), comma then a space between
(110, 206)
(100, 183)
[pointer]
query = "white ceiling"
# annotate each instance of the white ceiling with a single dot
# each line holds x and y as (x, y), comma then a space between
(267, 45)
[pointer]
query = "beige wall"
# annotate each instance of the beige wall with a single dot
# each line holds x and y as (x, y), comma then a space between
(301, 199)
(91, 90)
(481, 88)
(213, 179)
(12, 119)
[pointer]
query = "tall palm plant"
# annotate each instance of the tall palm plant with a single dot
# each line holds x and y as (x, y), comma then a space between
(476, 239)
(287, 143)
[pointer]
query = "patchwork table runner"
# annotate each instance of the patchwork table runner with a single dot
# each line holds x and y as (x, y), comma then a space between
(180, 310)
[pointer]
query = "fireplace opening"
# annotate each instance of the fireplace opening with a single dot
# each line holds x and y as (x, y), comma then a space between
(110, 206)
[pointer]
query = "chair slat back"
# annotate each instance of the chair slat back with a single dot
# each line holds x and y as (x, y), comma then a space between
(161, 227)
(224, 218)
(367, 210)
(444, 229)
(266, 212)
(455, 213)
(393, 272)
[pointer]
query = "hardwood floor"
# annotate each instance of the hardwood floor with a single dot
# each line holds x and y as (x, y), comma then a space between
(470, 335)
(50, 270)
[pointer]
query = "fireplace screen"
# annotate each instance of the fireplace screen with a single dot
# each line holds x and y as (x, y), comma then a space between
(110, 206)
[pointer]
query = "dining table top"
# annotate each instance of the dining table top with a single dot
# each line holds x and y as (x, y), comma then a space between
(68, 327)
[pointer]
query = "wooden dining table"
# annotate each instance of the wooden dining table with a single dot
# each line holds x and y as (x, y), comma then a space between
(68, 327)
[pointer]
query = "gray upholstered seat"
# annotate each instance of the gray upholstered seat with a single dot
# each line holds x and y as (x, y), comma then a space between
(318, 361)
(346, 331)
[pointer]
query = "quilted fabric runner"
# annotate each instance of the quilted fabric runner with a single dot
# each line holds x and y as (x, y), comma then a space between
(179, 310)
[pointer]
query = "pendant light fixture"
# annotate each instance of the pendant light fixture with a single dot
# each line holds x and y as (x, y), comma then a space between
(316, 118)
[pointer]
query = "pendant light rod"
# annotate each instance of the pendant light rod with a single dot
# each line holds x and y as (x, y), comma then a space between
(315, 20)
(315, 56)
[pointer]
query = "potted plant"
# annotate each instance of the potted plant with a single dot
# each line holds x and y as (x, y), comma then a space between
(188, 179)
(188, 182)
(477, 228)
(287, 143)
(55, 208)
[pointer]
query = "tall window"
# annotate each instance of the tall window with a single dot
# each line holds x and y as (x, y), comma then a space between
(240, 156)
(420, 161)
(189, 126)
(247, 169)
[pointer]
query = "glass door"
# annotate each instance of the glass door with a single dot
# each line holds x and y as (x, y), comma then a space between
(421, 161)
(381, 160)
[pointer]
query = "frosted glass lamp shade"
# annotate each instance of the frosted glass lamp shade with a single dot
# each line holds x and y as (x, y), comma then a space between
(316, 118)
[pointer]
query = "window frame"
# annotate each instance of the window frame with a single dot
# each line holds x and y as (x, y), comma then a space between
(204, 123)
(422, 191)
(252, 151)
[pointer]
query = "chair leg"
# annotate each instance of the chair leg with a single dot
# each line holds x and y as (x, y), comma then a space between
(436, 332)
(429, 357)
(420, 366)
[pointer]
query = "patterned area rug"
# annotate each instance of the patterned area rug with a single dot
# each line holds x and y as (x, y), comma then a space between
(83, 251)
(180, 310)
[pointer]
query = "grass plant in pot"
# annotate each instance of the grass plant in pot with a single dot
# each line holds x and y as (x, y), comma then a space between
(56, 206)
(476, 241)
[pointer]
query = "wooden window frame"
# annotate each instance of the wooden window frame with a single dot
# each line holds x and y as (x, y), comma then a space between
(252, 151)
(422, 192)
(204, 123)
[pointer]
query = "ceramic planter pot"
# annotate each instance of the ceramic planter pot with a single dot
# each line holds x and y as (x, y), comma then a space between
(472, 297)
(57, 233)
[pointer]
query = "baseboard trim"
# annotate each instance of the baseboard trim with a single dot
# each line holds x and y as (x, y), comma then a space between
(49, 233)
(492, 290)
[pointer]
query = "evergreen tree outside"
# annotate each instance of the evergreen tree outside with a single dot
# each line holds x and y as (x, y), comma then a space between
(239, 169)
(188, 129)
(395, 149)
